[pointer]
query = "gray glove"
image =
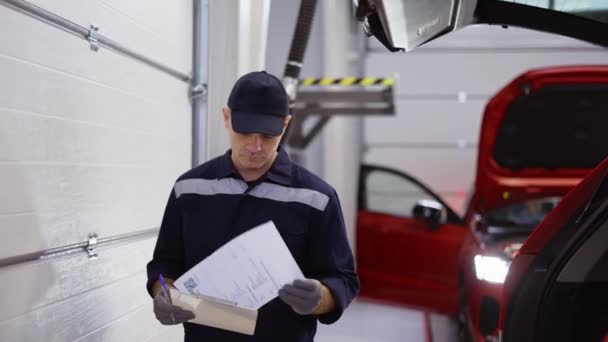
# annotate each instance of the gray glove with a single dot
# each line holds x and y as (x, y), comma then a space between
(304, 295)
(169, 314)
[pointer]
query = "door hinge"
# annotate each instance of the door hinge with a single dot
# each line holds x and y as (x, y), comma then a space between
(92, 37)
(198, 90)
(90, 247)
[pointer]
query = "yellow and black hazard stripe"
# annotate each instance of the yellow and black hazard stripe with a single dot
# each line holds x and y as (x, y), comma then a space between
(347, 81)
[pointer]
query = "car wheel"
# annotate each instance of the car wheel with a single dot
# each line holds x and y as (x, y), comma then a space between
(464, 335)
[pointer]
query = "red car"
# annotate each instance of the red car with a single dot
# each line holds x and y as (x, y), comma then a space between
(540, 136)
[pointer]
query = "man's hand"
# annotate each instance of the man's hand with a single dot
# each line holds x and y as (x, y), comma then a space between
(169, 314)
(307, 296)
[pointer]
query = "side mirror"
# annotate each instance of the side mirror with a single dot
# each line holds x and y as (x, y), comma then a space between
(429, 211)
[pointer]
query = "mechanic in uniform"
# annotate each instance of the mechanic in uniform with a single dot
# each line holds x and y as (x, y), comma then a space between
(252, 183)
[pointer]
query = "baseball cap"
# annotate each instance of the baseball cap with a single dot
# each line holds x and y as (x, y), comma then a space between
(259, 104)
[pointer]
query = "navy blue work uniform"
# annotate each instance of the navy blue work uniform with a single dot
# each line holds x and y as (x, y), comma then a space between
(211, 204)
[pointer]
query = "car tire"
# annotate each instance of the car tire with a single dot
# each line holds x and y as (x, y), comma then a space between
(464, 334)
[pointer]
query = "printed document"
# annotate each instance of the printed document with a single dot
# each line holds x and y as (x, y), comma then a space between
(247, 272)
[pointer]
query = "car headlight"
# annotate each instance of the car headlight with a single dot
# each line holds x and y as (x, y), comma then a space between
(491, 269)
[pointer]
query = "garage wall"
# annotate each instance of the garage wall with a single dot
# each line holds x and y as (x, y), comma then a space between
(89, 142)
(237, 45)
(442, 90)
(281, 25)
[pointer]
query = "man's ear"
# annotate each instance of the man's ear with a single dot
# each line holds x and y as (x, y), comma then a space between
(226, 114)
(287, 120)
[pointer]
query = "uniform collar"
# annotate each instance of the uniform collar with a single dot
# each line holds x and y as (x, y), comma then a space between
(280, 171)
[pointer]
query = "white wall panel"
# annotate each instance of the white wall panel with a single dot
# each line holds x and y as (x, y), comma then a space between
(283, 16)
(427, 122)
(44, 283)
(41, 44)
(61, 204)
(78, 315)
(122, 328)
(26, 136)
(343, 135)
(89, 142)
(496, 37)
(424, 72)
(170, 44)
(234, 50)
(167, 19)
(445, 170)
(45, 91)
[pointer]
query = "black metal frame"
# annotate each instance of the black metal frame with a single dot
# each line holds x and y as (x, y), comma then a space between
(327, 101)
(499, 12)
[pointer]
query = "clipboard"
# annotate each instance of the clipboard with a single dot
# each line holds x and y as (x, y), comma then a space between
(216, 313)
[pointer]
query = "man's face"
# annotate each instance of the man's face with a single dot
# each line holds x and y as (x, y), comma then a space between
(251, 151)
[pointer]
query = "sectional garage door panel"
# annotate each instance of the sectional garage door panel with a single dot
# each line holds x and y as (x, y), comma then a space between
(78, 315)
(90, 142)
(43, 91)
(166, 19)
(144, 28)
(49, 47)
(427, 123)
(423, 72)
(122, 329)
(77, 200)
(30, 137)
(44, 284)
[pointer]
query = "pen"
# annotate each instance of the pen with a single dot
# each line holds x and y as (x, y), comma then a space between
(163, 286)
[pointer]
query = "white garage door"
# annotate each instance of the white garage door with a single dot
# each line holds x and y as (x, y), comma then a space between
(90, 142)
(441, 93)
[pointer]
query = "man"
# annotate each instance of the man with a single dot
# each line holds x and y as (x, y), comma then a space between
(256, 182)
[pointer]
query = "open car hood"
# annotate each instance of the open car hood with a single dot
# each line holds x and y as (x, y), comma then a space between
(541, 135)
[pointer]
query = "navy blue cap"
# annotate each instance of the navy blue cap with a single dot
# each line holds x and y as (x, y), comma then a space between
(259, 104)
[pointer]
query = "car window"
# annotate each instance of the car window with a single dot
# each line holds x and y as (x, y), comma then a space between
(591, 9)
(522, 214)
(390, 193)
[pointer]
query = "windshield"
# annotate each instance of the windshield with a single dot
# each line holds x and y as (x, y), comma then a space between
(572, 119)
(591, 9)
(526, 214)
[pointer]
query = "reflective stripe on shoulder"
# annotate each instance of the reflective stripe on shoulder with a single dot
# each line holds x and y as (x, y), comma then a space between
(281, 193)
(226, 186)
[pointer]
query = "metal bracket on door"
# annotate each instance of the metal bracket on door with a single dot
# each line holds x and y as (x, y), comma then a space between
(90, 247)
(92, 37)
(198, 90)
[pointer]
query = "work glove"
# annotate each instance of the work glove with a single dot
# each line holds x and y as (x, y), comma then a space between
(169, 314)
(304, 295)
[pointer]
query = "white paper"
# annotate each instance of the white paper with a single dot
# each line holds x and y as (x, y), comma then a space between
(247, 271)
(213, 314)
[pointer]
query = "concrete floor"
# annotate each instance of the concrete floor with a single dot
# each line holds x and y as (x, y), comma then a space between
(369, 321)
